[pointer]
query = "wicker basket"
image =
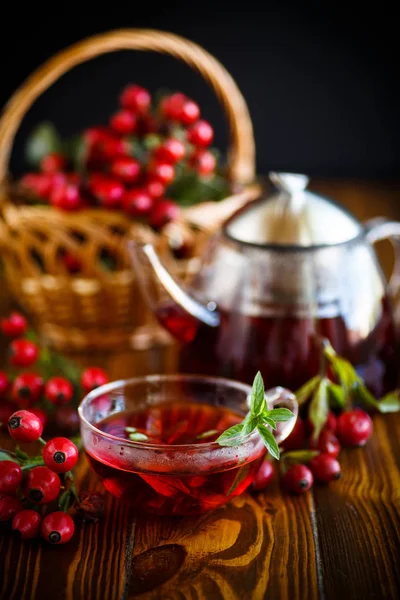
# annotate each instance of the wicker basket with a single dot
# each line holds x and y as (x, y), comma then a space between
(97, 308)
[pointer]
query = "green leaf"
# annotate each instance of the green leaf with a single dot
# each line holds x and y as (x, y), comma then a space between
(4, 455)
(20, 454)
(336, 396)
(389, 403)
(303, 394)
(249, 424)
(280, 415)
(43, 140)
(345, 372)
(151, 141)
(361, 392)
(240, 476)
(269, 441)
(299, 456)
(319, 407)
(138, 437)
(257, 400)
(76, 149)
(231, 437)
(206, 434)
(137, 149)
(268, 421)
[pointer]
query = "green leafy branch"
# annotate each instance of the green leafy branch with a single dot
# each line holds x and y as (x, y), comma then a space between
(348, 388)
(258, 418)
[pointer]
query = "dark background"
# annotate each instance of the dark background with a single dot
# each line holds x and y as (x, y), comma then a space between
(321, 82)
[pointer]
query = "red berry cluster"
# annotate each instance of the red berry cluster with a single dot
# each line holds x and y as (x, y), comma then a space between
(131, 164)
(25, 388)
(306, 459)
(36, 481)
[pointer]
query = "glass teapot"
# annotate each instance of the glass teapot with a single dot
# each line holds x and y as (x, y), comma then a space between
(283, 272)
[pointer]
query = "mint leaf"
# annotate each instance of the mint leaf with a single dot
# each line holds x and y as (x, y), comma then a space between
(206, 434)
(240, 476)
(138, 437)
(249, 424)
(269, 421)
(319, 407)
(257, 402)
(389, 403)
(303, 394)
(231, 435)
(280, 415)
(269, 441)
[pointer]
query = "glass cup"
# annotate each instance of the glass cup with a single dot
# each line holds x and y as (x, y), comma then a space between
(174, 478)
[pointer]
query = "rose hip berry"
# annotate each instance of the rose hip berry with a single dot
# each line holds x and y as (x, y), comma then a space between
(42, 485)
(57, 528)
(27, 388)
(59, 390)
(26, 524)
(201, 134)
(171, 106)
(164, 212)
(93, 377)
(15, 325)
(67, 197)
(296, 439)
(40, 414)
(264, 476)
(325, 468)
(189, 112)
(204, 162)
(137, 202)
(154, 188)
(10, 476)
(164, 172)
(4, 383)
(354, 428)
(9, 507)
(60, 455)
(123, 122)
(107, 191)
(298, 479)
(53, 162)
(24, 426)
(327, 443)
(23, 353)
(136, 99)
(125, 168)
(171, 151)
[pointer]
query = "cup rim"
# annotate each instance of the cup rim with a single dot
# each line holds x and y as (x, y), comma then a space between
(109, 387)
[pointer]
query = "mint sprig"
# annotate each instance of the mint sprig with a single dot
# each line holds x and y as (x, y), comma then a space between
(258, 418)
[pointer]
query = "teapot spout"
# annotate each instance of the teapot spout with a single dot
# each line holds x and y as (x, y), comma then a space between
(176, 310)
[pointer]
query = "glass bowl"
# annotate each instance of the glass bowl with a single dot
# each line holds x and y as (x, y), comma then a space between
(158, 471)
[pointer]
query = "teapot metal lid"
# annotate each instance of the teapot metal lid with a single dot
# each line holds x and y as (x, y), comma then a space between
(293, 216)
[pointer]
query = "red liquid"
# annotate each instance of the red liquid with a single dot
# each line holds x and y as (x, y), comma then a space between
(165, 492)
(282, 348)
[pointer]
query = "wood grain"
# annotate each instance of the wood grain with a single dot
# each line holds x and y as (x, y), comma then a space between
(341, 541)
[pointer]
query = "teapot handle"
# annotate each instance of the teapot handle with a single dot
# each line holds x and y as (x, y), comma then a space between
(384, 229)
(282, 398)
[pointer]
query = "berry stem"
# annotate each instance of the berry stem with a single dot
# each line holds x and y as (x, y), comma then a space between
(42, 441)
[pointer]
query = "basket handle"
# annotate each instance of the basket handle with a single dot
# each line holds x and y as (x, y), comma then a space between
(241, 154)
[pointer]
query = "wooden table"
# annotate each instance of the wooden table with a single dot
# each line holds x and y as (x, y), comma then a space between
(340, 541)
